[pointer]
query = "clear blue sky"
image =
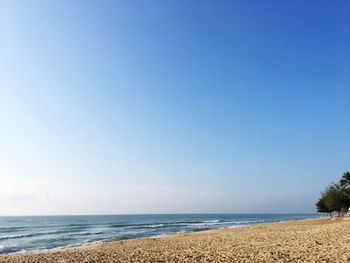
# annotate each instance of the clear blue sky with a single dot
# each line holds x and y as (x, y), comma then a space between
(172, 106)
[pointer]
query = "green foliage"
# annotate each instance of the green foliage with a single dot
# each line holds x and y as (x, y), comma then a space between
(345, 183)
(321, 204)
(345, 180)
(336, 197)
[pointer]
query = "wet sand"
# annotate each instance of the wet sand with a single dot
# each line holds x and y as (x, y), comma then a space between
(312, 240)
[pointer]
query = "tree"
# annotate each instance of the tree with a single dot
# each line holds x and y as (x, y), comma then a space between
(336, 199)
(321, 205)
(345, 180)
(345, 183)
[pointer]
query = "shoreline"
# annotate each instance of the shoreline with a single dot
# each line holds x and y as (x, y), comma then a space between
(111, 242)
(307, 240)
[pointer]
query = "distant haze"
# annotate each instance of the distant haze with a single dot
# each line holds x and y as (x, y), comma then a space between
(110, 107)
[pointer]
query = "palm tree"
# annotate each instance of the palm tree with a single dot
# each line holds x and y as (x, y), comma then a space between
(345, 185)
(345, 181)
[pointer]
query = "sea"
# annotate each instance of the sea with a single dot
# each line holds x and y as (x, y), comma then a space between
(21, 234)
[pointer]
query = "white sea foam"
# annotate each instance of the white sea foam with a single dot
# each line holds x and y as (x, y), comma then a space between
(154, 226)
(66, 232)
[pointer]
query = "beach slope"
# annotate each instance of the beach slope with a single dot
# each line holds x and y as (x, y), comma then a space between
(313, 240)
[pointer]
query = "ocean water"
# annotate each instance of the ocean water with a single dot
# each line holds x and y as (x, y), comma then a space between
(37, 233)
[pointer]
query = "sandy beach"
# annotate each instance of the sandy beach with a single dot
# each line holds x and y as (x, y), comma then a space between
(312, 240)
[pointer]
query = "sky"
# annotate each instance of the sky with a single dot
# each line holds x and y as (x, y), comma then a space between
(114, 107)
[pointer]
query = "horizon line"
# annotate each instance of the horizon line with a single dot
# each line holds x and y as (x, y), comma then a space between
(140, 214)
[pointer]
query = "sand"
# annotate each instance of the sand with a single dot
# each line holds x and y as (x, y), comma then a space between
(319, 240)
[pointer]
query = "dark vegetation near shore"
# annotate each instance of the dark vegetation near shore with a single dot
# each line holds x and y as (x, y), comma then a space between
(336, 197)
